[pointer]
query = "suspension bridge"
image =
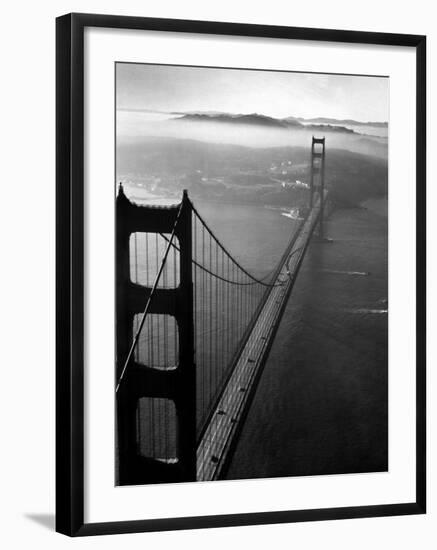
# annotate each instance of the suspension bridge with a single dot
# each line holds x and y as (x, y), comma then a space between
(194, 329)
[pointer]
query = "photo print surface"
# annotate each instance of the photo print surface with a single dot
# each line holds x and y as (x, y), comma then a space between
(251, 273)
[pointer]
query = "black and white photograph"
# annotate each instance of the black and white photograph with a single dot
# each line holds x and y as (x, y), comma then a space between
(216, 286)
(251, 273)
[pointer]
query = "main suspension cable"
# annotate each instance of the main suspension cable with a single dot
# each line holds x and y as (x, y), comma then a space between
(200, 266)
(259, 281)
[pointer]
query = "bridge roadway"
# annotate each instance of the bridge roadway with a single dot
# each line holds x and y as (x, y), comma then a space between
(220, 434)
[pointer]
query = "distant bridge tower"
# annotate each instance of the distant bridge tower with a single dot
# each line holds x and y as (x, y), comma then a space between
(317, 177)
(176, 386)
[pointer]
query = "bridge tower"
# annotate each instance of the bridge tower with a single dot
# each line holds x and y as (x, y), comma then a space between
(176, 385)
(317, 177)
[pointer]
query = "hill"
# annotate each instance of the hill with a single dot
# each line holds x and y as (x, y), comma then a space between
(244, 174)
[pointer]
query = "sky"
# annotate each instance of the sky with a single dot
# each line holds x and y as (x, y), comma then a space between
(167, 88)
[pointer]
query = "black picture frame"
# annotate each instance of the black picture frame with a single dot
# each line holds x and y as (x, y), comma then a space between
(70, 273)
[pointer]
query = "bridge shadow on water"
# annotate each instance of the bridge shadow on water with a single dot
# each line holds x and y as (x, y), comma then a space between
(321, 406)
